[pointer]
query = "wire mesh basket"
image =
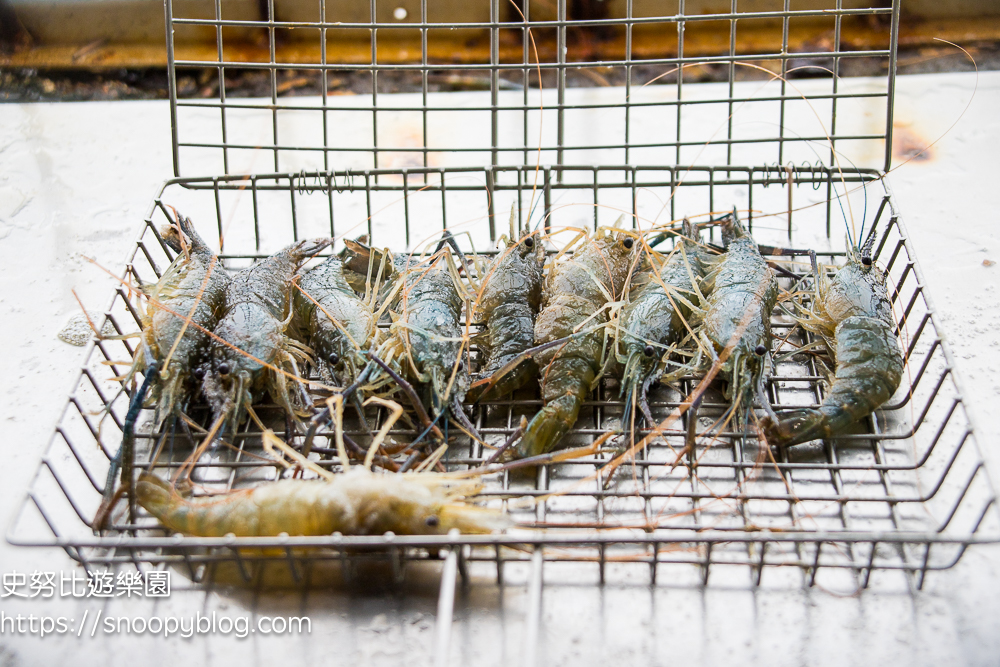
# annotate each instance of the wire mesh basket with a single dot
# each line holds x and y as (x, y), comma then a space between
(905, 491)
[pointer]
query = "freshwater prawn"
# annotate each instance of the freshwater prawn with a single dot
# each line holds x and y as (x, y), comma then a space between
(853, 316)
(357, 501)
(428, 339)
(737, 322)
(250, 349)
(181, 308)
(508, 303)
(578, 294)
(658, 316)
(333, 321)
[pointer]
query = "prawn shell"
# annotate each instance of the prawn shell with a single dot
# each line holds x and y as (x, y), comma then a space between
(869, 370)
(856, 290)
(327, 285)
(737, 304)
(514, 275)
(509, 303)
(254, 330)
(560, 319)
(185, 294)
(354, 503)
(511, 331)
(654, 316)
(577, 292)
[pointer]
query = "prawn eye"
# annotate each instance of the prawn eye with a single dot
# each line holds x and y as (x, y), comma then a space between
(866, 260)
(223, 368)
(334, 358)
(432, 521)
(628, 243)
(648, 350)
(199, 372)
(760, 350)
(529, 242)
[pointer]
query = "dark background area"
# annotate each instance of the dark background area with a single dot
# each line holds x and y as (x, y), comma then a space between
(33, 85)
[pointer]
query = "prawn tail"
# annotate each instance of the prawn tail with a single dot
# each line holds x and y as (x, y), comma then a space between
(549, 426)
(869, 370)
(157, 497)
(569, 383)
(472, 519)
(794, 427)
(213, 518)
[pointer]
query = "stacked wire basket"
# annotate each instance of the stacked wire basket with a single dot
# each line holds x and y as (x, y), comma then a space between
(782, 138)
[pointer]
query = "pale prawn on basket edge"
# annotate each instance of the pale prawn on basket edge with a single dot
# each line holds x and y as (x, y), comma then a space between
(357, 501)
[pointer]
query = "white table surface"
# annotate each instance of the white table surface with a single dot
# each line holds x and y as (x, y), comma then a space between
(76, 179)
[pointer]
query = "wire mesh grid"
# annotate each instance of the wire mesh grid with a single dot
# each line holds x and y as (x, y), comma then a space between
(525, 57)
(905, 492)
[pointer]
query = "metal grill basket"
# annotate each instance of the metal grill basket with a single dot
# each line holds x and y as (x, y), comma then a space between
(907, 491)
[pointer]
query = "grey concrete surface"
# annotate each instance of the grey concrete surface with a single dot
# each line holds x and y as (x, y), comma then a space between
(75, 180)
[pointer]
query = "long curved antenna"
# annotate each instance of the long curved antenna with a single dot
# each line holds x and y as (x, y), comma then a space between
(531, 214)
(430, 427)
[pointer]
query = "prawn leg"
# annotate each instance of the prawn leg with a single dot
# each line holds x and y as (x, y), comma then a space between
(458, 412)
(411, 394)
(124, 458)
(324, 417)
